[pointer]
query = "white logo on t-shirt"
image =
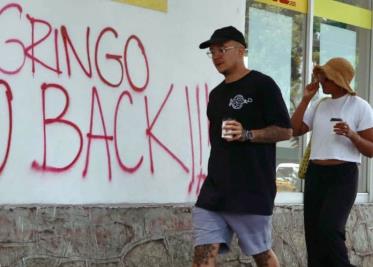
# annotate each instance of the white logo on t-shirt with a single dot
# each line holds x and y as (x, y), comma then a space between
(238, 101)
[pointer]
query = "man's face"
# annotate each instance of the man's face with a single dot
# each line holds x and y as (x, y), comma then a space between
(225, 56)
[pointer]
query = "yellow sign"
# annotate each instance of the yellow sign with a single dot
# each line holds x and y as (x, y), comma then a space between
(330, 9)
(160, 5)
(344, 13)
(296, 5)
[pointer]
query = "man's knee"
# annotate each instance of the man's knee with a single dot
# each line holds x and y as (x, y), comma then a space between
(205, 254)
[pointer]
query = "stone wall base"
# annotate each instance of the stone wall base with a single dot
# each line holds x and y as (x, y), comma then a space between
(130, 236)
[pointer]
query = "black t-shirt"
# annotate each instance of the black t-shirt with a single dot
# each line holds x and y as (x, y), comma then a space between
(241, 175)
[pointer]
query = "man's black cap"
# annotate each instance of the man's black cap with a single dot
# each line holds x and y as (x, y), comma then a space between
(222, 35)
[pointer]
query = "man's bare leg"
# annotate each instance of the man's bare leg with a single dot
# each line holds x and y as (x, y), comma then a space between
(205, 255)
(266, 259)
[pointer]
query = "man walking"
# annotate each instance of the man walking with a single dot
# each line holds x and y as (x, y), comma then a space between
(247, 117)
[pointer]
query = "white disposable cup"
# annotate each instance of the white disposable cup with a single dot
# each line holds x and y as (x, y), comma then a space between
(333, 122)
(225, 133)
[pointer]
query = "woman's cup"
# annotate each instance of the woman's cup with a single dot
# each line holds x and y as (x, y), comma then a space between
(334, 121)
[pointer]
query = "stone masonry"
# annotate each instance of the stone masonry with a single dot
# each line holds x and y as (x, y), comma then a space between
(159, 236)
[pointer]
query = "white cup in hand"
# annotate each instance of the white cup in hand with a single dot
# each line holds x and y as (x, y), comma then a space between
(226, 133)
(334, 121)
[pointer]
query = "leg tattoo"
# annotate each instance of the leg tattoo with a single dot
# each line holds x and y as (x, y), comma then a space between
(204, 253)
(263, 259)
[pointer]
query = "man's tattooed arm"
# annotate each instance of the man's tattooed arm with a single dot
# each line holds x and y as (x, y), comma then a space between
(271, 134)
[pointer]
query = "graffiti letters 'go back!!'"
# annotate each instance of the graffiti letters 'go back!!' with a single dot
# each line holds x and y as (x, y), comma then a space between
(59, 69)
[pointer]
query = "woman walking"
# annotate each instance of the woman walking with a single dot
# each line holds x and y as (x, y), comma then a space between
(342, 130)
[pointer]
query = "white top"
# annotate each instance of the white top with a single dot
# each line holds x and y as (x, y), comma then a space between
(325, 144)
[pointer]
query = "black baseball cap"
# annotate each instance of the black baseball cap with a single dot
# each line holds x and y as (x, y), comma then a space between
(222, 35)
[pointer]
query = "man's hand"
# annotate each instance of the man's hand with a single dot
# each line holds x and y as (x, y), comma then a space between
(233, 131)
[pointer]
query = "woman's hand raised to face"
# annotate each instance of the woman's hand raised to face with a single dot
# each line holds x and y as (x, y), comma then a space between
(310, 90)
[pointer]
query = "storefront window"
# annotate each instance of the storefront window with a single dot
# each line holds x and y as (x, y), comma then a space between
(276, 47)
(276, 31)
(337, 35)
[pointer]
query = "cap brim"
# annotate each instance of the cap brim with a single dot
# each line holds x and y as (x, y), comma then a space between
(208, 43)
(205, 44)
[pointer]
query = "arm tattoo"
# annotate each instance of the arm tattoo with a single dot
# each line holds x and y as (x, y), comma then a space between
(271, 134)
(204, 253)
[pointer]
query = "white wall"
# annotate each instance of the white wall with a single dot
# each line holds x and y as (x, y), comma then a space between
(39, 166)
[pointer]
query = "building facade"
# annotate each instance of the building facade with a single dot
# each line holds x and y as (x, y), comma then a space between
(103, 134)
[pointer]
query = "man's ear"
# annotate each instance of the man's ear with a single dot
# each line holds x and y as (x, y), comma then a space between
(242, 51)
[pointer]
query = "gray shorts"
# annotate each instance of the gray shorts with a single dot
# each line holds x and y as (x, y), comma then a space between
(254, 232)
